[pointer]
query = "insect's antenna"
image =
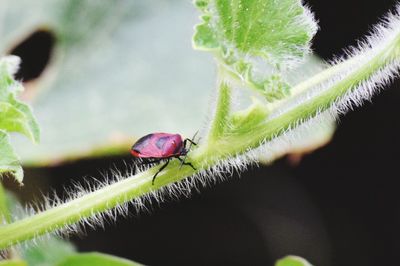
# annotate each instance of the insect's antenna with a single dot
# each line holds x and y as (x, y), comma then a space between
(192, 140)
(190, 146)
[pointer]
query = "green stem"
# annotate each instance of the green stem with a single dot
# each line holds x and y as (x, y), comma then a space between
(98, 201)
(203, 158)
(222, 111)
(322, 76)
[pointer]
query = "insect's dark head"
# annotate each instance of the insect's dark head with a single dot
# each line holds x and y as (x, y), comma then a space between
(184, 151)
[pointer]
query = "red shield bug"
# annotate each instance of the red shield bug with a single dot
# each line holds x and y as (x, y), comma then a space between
(156, 147)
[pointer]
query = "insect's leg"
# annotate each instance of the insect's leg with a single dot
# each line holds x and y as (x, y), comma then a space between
(159, 170)
(186, 150)
(185, 163)
(188, 140)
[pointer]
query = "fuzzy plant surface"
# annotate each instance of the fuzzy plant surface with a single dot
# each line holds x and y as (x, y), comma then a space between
(258, 110)
(15, 116)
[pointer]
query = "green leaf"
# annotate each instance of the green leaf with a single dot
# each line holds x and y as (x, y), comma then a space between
(292, 261)
(205, 36)
(8, 159)
(13, 120)
(13, 263)
(94, 102)
(241, 32)
(48, 252)
(28, 119)
(274, 30)
(15, 116)
(95, 258)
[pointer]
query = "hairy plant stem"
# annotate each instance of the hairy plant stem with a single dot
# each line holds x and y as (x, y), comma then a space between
(222, 111)
(315, 80)
(222, 146)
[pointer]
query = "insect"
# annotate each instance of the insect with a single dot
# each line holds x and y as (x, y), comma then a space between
(157, 147)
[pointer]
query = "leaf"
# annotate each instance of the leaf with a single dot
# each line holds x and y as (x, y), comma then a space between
(119, 70)
(15, 116)
(8, 159)
(48, 252)
(292, 261)
(266, 28)
(95, 258)
(13, 263)
(244, 33)
(13, 120)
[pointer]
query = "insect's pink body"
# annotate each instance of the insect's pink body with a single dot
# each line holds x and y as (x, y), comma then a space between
(158, 145)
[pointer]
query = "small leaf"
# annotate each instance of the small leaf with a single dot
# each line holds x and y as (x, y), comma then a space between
(243, 32)
(13, 263)
(15, 116)
(29, 120)
(292, 261)
(274, 30)
(8, 159)
(95, 258)
(205, 38)
(13, 120)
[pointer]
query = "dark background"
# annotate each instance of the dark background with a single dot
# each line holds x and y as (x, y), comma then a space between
(339, 206)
